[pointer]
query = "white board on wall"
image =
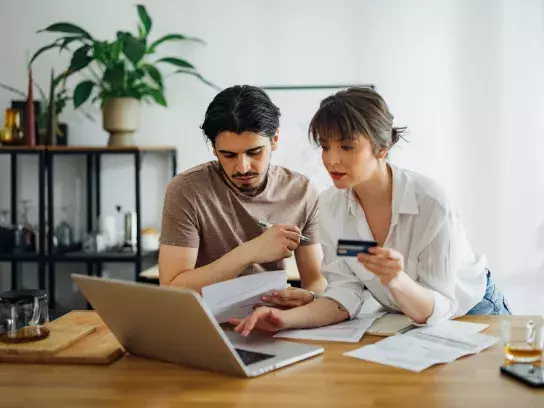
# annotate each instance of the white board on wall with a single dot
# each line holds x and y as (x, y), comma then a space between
(295, 151)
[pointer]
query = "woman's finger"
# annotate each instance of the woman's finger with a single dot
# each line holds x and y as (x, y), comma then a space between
(380, 269)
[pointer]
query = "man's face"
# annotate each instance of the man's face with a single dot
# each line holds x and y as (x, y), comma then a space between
(245, 158)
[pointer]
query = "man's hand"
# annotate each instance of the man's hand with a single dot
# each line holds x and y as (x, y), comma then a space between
(290, 297)
(277, 242)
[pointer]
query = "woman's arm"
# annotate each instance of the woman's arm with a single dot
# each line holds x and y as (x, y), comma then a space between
(415, 301)
(322, 312)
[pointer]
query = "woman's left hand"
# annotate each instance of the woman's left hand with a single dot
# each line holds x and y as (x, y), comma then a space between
(385, 263)
(288, 298)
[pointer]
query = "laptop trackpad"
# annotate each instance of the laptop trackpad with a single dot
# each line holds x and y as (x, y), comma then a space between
(252, 357)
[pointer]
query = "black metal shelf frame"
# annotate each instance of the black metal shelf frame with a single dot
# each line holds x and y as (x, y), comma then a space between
(47, 261)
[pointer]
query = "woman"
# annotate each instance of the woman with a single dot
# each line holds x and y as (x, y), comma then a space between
(423, 265)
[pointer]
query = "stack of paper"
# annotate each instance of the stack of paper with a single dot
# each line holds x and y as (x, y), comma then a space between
(423, 347)
(236, 298)
(349, 331)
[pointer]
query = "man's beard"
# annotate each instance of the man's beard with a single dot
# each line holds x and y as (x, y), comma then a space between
(249, 190)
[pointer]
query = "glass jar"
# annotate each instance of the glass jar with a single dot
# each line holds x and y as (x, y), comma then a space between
(23, 314)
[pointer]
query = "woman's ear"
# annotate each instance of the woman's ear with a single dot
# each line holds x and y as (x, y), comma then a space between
(382, 154)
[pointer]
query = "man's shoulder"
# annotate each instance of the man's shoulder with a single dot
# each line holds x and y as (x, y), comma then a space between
(288, 177)
(194, 174)
(187, 180)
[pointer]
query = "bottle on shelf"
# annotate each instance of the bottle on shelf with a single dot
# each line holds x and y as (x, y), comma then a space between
(18, 130)
(6, 134)
(64, 233)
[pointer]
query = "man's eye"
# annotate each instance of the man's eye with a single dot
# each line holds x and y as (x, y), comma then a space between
(229, 156)
(258, 152)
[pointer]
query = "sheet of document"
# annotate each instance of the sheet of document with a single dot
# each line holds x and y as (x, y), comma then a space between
(236, 298)
(451, 327)
(424, 347)
(349, 331)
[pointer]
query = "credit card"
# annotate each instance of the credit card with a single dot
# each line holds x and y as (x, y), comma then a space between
(350, 247)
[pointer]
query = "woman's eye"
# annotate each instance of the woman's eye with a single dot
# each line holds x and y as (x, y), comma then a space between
(347, 147)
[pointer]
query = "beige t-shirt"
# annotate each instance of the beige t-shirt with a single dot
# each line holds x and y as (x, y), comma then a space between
(202, 210)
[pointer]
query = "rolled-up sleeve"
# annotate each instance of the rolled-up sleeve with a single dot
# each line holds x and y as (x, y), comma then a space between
(438, 267)
(342, 284)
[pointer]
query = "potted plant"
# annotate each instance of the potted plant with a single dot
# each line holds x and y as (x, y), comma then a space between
(120, 74)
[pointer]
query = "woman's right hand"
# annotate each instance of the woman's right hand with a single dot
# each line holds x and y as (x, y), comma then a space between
(264, 318)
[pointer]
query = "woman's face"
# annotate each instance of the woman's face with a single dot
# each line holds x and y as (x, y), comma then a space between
(350, 161)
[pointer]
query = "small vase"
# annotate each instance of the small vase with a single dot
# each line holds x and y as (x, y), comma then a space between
(121, 118)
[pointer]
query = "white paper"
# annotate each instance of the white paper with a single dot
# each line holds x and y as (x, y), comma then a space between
(349, 331)
(236, 298)
(421, 348)
(451, 327)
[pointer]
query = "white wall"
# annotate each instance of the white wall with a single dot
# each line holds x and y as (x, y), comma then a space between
(464, 76)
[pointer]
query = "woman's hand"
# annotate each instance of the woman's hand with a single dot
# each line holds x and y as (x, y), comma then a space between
(290, 297)
(264, 318)
(385, 263)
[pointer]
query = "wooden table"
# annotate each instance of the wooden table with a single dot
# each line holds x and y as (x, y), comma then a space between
(329, 380)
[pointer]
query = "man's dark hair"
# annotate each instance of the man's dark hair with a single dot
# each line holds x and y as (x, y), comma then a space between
(238, 109)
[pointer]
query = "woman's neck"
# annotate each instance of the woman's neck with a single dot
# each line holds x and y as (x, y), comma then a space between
(378, 189)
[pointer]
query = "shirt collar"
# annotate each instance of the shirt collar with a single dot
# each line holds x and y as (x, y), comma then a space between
(404, 195)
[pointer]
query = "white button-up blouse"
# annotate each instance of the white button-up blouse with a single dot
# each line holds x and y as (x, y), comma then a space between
(425, 229)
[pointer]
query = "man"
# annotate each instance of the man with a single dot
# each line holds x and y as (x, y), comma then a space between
(209, 228)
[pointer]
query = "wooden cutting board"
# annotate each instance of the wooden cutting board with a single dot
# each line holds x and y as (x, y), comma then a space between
(97, 347)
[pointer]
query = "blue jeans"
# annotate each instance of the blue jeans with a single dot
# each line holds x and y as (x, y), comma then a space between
(493, 303)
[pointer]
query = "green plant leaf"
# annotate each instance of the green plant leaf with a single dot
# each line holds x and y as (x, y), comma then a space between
(154, 73)
(68, 40)
(42, 50)
(82, 93)
(80, 59)
(133, 48)
(177, 62)
(196, 74)
(145, 19)
(115, 76)
(157, 95)
(173, 37)
(67, 28)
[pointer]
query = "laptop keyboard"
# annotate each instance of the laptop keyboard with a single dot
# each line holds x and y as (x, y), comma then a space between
(252, 357)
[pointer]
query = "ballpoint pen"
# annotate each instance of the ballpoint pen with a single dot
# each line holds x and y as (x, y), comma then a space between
(266, 224)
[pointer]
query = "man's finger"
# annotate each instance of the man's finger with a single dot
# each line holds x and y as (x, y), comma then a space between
(290, 227)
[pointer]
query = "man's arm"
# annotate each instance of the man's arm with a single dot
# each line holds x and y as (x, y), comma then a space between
(177, 267)
(177, 264)
(309, 259)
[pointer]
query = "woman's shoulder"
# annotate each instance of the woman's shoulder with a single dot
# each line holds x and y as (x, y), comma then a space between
(428, 190)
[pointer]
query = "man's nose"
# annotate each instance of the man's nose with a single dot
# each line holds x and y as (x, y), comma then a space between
(242, 165)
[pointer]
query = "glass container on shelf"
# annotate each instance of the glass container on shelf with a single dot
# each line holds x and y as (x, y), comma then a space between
(64, 232)
(6, 133)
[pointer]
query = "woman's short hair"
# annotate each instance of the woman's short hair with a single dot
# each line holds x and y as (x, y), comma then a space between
(352, 112)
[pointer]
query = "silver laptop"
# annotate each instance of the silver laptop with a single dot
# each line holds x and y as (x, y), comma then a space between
(174, 325)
